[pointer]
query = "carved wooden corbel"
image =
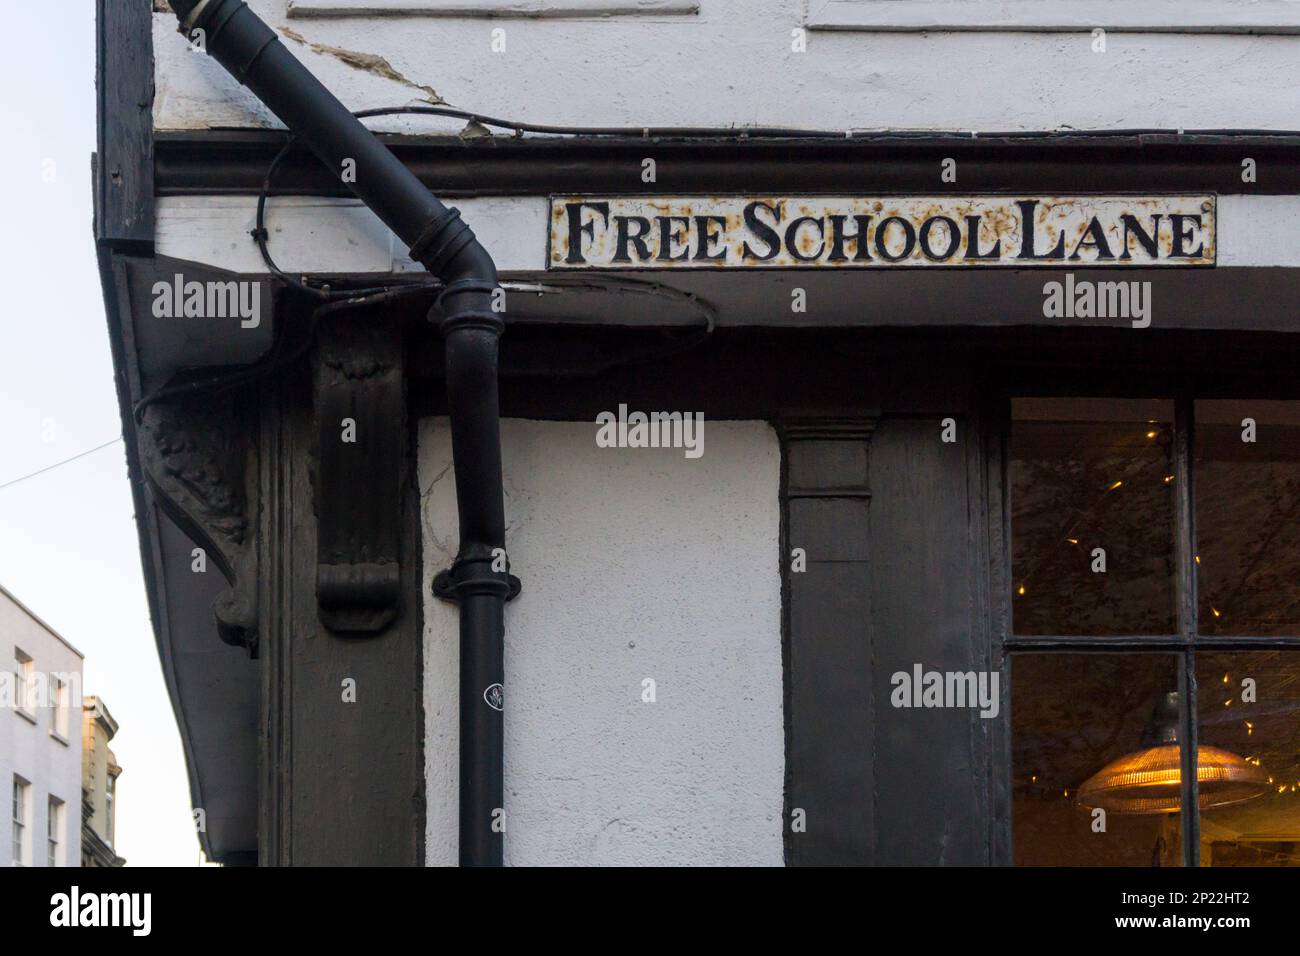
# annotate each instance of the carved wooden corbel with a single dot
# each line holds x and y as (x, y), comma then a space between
(197, 452)
(360, 467)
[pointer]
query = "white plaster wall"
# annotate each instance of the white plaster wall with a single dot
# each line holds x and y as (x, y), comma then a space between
(636, 563)
(732, 63)
(50, 765)
(342, 235)
(318, 234)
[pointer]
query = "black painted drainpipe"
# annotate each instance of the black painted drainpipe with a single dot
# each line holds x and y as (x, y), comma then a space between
(241, 42)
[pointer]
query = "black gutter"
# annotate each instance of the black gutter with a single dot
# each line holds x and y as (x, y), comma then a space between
(437, 238)
(235, 163)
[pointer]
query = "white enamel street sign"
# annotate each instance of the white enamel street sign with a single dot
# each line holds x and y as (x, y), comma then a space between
(792, 232)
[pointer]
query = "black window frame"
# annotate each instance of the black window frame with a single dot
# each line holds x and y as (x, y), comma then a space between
(1186, 643)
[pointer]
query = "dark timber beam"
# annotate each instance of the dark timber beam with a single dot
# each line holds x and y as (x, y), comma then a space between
(124, 86)
(342, 765)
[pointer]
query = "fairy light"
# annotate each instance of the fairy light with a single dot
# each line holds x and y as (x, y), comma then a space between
(1117, 484)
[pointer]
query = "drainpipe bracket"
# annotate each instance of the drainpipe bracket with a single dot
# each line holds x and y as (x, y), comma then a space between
(464, 578)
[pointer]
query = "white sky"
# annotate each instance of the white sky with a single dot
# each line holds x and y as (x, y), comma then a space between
(68, 547)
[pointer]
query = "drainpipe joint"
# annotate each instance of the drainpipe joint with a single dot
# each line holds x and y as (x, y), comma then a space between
(472, 573)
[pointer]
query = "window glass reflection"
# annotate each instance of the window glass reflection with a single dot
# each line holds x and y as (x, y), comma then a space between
(1091, 489)
(1084, 727)
(1249, 708)
(1248, 517)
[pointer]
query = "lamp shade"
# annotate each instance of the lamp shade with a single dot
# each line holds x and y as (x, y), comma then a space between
(1150, 781)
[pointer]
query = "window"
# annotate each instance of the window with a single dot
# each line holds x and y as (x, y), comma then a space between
(20, 792)
(1154, 644)
(24, 680)
(59, 706)
(54, 827)
(1082, 475)
(110, 790)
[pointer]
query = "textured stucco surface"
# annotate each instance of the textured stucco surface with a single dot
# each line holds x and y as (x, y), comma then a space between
(732, 63)
(637, 563)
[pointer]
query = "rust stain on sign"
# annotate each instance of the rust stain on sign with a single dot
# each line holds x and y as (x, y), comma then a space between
(719, 232)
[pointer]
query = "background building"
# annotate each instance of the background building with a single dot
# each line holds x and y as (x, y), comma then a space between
(40, 741)
(680, 685)
(100, 771)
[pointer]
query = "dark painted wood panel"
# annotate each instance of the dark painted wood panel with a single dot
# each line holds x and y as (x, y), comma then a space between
(931, 805)
(827, 464)
(235, 162)
(828, 666)
(124, 181)
(893, 523)
(953, 299)
(831, 529)
(832, 770)
(343, 783)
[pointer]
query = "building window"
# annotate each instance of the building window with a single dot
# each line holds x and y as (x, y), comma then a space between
(54, 827)
(20, 814)
(110, 790)
(24, 680)
(59, 706)
(1155, 632)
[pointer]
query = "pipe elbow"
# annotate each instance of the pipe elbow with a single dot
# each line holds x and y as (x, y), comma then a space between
(469, 299)
(472, 262)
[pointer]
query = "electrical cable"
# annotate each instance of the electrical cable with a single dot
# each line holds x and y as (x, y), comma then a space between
(261, 236)
(334, 300)
(324, 292)
(59, 464)
(786, 132)
(771, 132)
